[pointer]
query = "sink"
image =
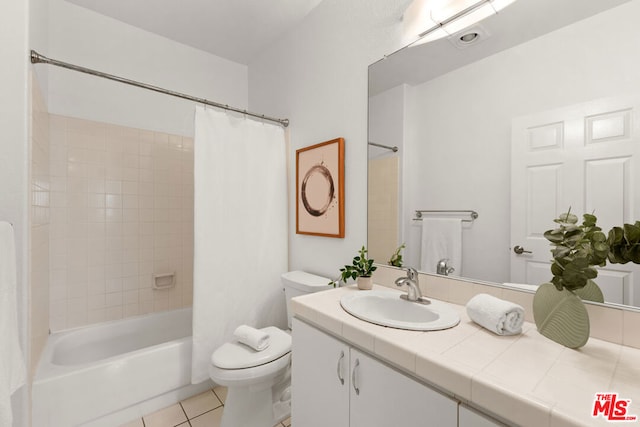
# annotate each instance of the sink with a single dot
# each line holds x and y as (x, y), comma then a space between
(386, 308)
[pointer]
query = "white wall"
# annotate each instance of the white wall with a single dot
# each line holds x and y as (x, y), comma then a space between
(88, 39)
(386, 120)
(14, 160)
(459, 125)
(316, 75)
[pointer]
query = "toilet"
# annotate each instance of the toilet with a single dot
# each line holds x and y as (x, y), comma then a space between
(258, 382)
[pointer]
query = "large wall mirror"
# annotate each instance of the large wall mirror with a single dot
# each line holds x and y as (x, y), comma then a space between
(539, 114)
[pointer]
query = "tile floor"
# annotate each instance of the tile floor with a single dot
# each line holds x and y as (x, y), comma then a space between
(202, 410)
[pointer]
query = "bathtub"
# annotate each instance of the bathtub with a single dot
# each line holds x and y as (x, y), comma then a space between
(113, 372)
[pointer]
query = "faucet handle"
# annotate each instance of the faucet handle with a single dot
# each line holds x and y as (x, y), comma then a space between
(412, 274)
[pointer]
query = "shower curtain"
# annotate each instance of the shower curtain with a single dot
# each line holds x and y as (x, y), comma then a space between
(240, 229)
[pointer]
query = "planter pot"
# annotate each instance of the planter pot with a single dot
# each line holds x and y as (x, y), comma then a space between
(364, 283)
(561, 316)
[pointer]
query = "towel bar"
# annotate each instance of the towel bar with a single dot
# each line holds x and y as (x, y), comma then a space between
(472, 214)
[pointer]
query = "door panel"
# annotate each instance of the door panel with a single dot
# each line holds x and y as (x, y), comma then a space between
(585, 157)
(318, 362)
(389, 398)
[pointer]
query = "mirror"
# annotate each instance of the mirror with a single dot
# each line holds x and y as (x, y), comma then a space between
(489, 126)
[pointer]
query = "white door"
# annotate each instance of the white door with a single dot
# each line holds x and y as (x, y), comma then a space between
(586, 157)
(383, 397)
(319, 379)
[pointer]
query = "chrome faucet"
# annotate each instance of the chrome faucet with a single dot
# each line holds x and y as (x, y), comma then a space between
(413, 293)
(443, 268)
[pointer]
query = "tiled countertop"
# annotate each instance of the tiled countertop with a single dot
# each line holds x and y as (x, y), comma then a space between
(525, 379)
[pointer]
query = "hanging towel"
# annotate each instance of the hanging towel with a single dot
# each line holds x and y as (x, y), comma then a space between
(240, 223)
(499, 316)
(12, 368)
(252, 337)
(441, 238)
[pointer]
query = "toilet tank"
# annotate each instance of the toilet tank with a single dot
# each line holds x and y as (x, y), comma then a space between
(300, 283)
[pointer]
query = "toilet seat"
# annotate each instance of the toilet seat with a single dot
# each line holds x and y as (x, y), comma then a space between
(234, 355)
(257, 376)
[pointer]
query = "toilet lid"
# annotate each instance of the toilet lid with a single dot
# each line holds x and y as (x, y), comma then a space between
(234, 355)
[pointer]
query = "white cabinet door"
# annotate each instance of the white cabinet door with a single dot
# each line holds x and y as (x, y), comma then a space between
(382, 397)
(468, 417)
(319, 379)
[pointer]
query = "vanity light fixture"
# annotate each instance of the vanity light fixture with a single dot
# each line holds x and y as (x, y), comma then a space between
(461, 15)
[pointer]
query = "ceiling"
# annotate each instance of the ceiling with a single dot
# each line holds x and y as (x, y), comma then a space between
(519, 22)
(232, 29)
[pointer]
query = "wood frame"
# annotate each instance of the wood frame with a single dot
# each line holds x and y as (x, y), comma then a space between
(320, 189)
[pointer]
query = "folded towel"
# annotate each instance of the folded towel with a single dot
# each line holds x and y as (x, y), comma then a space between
(499, 316)
(254, 338)
(12, 367)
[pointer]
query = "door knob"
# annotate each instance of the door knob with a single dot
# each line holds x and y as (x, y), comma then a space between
(519, 250)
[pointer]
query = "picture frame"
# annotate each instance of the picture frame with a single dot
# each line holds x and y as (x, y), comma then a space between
(320, 189)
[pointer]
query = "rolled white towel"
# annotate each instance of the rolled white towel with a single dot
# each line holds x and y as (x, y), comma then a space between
(254, 338)
(499, 316)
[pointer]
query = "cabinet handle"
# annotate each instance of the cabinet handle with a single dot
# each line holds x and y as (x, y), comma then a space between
(339, 368)
(353, 377)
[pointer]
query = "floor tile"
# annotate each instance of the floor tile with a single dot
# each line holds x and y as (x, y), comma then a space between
(208, 419)
(221, 392)
(201, 403)
(167, 417)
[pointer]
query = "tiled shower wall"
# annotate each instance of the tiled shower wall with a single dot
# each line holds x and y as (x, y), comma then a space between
(121, 211)
(383, 199)
(40, 184)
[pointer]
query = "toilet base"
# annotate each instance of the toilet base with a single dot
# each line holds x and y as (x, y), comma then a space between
(257, 407)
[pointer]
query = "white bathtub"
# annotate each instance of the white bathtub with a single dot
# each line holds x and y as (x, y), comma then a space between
(107, 374)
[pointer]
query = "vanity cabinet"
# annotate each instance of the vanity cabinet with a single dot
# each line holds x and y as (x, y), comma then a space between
(468, 417)
(319, 378)
(336, 385)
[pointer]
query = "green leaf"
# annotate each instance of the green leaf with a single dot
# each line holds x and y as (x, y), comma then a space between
(589, 220)
(632, 233)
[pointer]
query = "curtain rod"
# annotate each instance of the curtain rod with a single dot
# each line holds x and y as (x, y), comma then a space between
(37, 58)
(394, 148)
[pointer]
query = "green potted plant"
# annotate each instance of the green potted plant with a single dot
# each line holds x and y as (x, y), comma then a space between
(396, 258)
(360, 270)
(577, 249)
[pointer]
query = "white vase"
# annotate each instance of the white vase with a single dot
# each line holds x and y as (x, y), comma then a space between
(365, 283)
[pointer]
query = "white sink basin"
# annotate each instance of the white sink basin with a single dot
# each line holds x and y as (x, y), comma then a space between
(387, 309)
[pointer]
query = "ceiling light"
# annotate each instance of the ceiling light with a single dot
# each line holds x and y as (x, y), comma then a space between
(449, 16)
(468, 37)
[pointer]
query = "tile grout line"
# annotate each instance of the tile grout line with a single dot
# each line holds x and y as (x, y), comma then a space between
(185, 414)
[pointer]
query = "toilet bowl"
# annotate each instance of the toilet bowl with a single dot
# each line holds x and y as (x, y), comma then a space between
(258, 382)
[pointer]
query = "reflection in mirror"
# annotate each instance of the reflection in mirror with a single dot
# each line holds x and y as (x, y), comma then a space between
(537, 115)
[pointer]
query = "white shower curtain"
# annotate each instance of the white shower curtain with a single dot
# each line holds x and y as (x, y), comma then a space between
(240, 227)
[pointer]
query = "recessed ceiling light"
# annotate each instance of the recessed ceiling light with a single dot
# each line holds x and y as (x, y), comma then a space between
(469, 37)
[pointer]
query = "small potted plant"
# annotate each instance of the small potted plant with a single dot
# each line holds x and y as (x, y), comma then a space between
(396, 258)
(360, 270)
